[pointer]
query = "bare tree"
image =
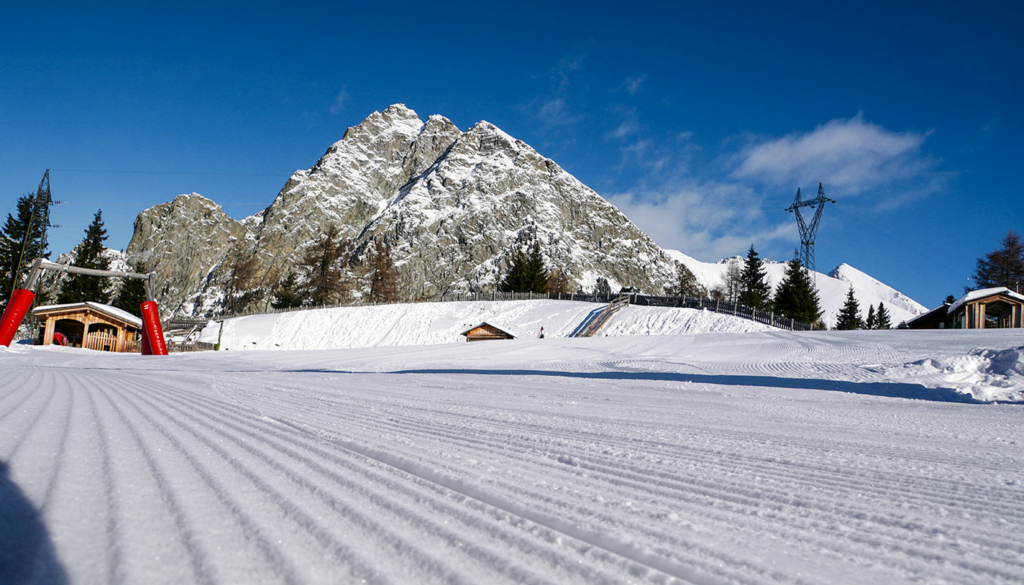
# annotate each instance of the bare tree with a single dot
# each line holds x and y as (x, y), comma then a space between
(384, 276)
(324, 268)
(733, 285)
(240, 289)
(558, 282)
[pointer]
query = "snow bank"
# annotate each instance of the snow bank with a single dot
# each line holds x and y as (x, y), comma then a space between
(433, 323)
(988, 375)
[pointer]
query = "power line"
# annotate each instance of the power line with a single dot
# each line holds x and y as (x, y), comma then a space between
(185, 173)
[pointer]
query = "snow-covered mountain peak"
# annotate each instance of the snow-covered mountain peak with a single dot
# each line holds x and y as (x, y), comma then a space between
(832, 287)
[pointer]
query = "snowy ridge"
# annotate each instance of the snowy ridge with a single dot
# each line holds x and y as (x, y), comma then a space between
(433, 323)
(832, 287)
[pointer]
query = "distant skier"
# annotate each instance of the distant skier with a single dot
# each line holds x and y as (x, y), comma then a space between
(541, 335)
(61, 339)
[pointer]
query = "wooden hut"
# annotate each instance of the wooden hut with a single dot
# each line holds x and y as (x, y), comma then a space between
(989, 308)
(485, 331)
(91, 325)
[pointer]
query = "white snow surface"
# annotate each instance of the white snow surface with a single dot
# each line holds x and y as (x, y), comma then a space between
(429, 323)
(832, 287)
(757, 457)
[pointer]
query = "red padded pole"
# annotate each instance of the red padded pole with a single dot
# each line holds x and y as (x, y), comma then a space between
(144, 343)
(153, 331)
(20, 301)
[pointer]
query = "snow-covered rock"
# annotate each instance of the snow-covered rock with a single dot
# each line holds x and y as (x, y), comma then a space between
(452, 205)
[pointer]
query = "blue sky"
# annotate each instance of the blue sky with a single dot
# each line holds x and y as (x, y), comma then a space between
(700, 121)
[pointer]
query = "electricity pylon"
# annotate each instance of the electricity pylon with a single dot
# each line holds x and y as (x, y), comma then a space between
(808, 233)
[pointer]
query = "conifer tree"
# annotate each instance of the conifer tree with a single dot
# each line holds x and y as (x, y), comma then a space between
(756, 293)
(882, 319)
(515, 277)
(384, 279)
(1002, 267)
(287, 293)
(21, 241)
(132, 293)
(526, 273)
(79, 288)
(536, 271)
(871, 322)
(849, 316)
(601, 286)
(796, 297)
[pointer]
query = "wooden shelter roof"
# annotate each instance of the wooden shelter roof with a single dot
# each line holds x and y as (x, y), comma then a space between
(510, 334)
(111, 312)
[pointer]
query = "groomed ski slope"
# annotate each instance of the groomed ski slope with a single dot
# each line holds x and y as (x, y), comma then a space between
(765, 457)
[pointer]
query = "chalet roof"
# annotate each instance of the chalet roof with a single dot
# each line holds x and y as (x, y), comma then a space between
(982, 293)
(107, 310)
(498, 327)
(934, 313)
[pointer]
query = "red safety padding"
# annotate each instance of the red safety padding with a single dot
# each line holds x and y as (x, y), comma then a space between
(153, 331)
(20, 301)
(145, 343)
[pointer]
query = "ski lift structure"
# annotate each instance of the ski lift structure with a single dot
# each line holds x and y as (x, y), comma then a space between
(152, 333)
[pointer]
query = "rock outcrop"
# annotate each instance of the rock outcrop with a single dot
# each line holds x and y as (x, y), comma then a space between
(452, 205)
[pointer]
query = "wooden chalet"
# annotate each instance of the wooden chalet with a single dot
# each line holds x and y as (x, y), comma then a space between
(485, 331)
(91, 326)
(990, 308)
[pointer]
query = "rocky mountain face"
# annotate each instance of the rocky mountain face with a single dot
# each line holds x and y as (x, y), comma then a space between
(452, 205)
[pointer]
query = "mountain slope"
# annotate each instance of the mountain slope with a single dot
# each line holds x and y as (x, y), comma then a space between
(452, 205)
(832, 287)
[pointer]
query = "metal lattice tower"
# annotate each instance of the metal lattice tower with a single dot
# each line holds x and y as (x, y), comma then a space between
(808, 233)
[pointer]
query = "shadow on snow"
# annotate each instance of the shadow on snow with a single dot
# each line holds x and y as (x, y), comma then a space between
(26, 551)
(886, 389)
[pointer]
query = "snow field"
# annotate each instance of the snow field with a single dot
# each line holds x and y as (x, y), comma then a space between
(772, 457)
(432, 323)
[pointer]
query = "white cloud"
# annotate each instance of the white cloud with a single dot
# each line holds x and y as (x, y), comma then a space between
(632, 84)
(708, 221)
(339, 101)
(849, 156)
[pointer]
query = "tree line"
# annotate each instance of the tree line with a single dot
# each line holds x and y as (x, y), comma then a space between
(22, 241)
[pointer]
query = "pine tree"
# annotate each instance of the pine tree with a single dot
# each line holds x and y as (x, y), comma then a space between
(515, 279)
(796, 297)
(756, 292)
(849, 316)
(526, 273)
(79, 288)
(324, 269)
(1002, 267)
(21, 241)
(601, 286)
(883, 320)
(287, 293)
(384, 278)
(871, 323)
(536, 273)
(132, 293)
